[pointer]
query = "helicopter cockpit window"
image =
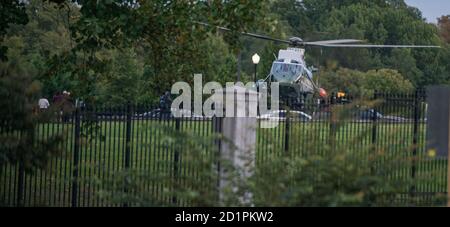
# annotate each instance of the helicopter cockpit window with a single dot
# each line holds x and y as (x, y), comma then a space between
(280, 60)
(295, 62)
(286, 72)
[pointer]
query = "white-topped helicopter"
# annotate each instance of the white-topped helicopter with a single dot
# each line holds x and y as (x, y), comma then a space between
(290, 69)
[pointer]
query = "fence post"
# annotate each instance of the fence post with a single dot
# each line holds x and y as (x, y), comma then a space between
(332, 139)
(76, 152)
(127, 146)
(176, 160)
(374, 123)
(287, 131)
(374, 119)
(30, 134)
(415, 140)
(217, 130)
(20, 184)
(128, 136)
(448, 176)
(438, 125)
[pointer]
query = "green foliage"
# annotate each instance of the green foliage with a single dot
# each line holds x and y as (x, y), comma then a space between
(378, 22)
(444, 28)
(69, 41)
(19, 87)
(319, 173)
(365, 84)
(44, 38)
(19, 117)
(124, 82)
(334, 172)
(11, 12)
(334, 178)
(388, 81)
(115, 51)
(219, 62)
(170, 47)
(194, 152)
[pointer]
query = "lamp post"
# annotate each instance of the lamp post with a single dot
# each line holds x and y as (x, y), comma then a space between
(255, 59)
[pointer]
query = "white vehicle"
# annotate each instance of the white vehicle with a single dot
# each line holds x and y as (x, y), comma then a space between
(280, 115)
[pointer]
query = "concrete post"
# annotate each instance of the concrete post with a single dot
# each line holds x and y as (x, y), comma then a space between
(237, 151)
(438, 125)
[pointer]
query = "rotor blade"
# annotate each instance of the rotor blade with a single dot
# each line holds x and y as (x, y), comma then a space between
(246, 33)
(264, 37)
(374, 46)
(337, 41)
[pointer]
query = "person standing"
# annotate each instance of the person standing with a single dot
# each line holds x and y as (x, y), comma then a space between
(67, 106)
(165, 102)
(57, 98)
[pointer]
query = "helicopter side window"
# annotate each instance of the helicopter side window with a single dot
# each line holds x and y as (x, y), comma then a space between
(295, 62)
(280, 60)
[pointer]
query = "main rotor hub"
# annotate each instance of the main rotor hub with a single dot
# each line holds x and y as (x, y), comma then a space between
(296, 42)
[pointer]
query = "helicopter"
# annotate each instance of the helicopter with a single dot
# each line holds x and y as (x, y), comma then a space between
(290, 69)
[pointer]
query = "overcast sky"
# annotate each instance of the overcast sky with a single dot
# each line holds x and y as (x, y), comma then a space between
(431, 9)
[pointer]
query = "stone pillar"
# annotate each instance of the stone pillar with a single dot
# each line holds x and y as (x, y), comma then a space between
(438, 120)
(237, 151)
(438, 125)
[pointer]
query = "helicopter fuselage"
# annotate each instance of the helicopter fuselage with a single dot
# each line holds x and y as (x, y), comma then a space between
(291, 72)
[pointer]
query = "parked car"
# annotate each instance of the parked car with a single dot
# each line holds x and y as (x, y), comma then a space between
(111, 115)
(368, 114)
(281, 115)
(394, 119)
(154, 114)
(160, 114)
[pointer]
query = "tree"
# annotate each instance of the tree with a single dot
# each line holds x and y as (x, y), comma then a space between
(19, 92)
(69, 42)
(124, 83)
(350, 81)
(10, 12)
(444, 28)
(403, 61)
(378, 22)
(387, 80)
(357, 83)
(220, 62)
(162, 31)
(45, 37)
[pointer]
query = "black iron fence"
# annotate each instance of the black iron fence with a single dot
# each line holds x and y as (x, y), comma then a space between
(390, 125)
(101, 142)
